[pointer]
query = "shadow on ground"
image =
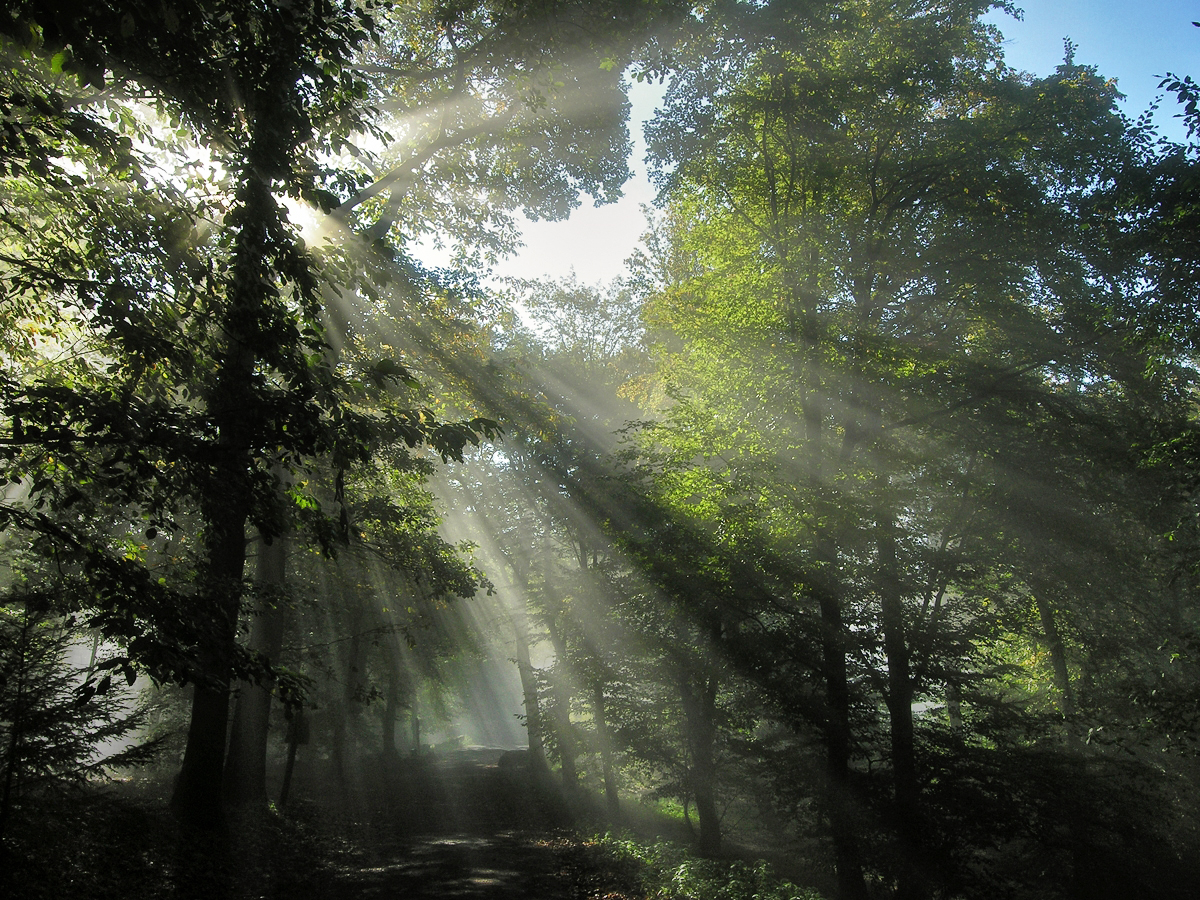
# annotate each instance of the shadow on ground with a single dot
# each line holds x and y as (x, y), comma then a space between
(459, 825)
(501, 866)
(432, 828)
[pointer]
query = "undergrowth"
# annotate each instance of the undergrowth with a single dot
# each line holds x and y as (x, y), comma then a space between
(91, 843)
(667, 871)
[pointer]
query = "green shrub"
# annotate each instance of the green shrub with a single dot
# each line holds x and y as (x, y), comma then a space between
(669, 872)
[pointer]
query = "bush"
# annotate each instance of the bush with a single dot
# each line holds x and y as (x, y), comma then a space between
(669, 872)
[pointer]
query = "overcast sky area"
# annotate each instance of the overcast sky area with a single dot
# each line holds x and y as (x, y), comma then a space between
(1134, 41)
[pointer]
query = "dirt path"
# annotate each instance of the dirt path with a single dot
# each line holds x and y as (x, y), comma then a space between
(459, 826)
(503, 866)
(455, 827)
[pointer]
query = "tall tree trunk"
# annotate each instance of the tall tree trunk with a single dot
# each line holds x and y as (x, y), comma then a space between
(954, 707)
(1058, 655)
(533, 712)
(600, 717)
(562, 710)
(225, 497)
(198, 788)
(391, 711)
(1084, 862)
(839, 801)
(345, 719)
(699, 703)
(297, 734)
(905, 785)
(225, 508)
(289, 769)
(807, 335)
(399, 690)
(246, 762)
(414, 722)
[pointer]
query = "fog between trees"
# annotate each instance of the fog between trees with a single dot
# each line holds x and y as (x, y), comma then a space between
(853, 525)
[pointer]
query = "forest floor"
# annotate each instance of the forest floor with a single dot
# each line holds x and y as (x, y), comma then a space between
(454, 827)
(459, 825)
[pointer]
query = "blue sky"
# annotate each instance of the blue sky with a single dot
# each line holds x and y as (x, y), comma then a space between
(1134, 41)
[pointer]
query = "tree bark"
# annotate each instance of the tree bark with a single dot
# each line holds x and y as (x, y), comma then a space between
(198, 788)
(345, 719)
(225, 507)
(414, 724)
(599, 714)
(246, 762)
(533, 712)
(954, 707)
(297, 734)
(225, 497)
(391, 711)
(1058, 655)
(699, 703)
(905, 784)
(562, 711)
(839, 801)
(289, 768)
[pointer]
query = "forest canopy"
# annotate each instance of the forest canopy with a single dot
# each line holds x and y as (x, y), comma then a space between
(855, 523)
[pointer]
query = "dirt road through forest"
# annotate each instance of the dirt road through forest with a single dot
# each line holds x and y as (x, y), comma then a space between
(458, 825)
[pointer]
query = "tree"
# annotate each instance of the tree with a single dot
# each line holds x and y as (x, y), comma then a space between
(52, 733)
(271, 91)
(275, 93)
(885, 312)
